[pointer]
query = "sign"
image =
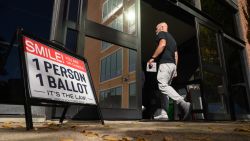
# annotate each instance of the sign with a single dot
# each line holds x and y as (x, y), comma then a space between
(55, 75)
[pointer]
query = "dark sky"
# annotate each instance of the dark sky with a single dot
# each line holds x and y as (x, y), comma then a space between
(33, 15)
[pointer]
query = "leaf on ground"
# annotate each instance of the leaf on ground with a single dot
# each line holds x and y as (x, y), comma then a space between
(8, 122)
(52, 125)
(179, 125)
(89, 133)
(149, 133)
(200, 138)
(65, 139)
(49, 123)
(8, 125)
(73, 127)
(110, 138)
(242, 130)
(168, 138)
(127, 139)
(141, 139)
(215, 128)
(54, 128)
(107, 126)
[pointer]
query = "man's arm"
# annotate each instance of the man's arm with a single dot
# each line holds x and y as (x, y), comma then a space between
(176, 62)
(161, 46)
(176, 57)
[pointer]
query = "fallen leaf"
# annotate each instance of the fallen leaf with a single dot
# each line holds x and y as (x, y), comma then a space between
(149, 132)
(180, 125)
(83, 131)
(168, 138)
(52, 126)
(66, 139)
(141, 139)
(201, 138)
(242, 130)
(110, 138)
(107, 126)
(215, 128)
(8, 125)
(8, 122)
(90, 133)
(127, 139)
(73, 127)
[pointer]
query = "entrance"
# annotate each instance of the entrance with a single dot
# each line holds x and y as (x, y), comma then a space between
(187, 83)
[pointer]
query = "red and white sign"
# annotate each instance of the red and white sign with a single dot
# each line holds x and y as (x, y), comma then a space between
(55, 75)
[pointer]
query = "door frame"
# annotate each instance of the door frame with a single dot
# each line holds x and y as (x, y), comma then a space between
(213, 116)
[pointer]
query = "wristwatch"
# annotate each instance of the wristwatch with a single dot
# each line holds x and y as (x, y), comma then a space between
(152, 57)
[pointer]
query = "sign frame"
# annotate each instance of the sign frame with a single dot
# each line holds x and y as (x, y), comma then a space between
(29, 100)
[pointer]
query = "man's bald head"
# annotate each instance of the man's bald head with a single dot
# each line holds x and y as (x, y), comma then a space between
(162, 27)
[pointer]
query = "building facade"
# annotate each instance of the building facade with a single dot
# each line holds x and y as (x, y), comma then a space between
(117, 39)
(244, 11)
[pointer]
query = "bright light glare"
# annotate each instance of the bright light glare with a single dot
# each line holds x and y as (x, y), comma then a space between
(130, 16)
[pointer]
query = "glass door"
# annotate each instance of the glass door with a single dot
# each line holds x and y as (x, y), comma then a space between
(212, 72)
(237, 78)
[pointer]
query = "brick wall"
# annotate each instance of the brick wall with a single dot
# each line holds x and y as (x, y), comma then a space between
(244, 11)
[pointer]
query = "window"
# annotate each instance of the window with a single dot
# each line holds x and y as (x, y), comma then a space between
(110, 7)
(71, 40)
(221, 12)
(108, 72)
(73, 10)
(115, 24)
(132, 60)
(116, 14)
(108, 67)
(208, 44)
(132, 96)
(105, 45)
(111, 98)
(214, 92)
(114, 64)
(130, 17)
(103, 71)
(111, 66)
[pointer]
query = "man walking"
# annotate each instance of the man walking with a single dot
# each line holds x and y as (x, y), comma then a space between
(167, 57)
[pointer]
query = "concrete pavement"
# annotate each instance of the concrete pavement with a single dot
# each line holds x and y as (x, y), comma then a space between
(126, 131)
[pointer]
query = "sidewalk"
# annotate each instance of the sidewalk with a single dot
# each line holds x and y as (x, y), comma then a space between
(126, 131)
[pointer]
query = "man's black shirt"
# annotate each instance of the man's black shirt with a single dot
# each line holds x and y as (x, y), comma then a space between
(168, 54)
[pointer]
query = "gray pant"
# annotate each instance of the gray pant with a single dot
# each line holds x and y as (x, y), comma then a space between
(165, 75)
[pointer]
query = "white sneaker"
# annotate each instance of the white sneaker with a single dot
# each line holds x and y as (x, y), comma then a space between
(160, 114)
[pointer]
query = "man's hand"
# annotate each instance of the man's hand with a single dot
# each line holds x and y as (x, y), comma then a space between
(150, 61)
(175, 73)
